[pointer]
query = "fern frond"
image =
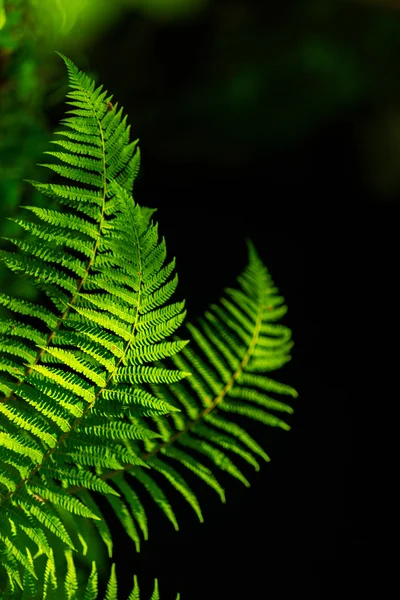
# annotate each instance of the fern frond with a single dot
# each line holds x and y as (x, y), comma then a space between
(88, 383)
(229, 345)
(73, 380)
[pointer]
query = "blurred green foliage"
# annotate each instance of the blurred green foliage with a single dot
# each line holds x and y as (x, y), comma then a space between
(66, 23)
(23, 128)
(254, 75)
(61, 24)
(2, 14)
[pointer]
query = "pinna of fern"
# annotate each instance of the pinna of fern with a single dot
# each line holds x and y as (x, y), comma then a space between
(106, 276)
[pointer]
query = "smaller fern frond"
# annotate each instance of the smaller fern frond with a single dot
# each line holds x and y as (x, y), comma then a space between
(232, 347)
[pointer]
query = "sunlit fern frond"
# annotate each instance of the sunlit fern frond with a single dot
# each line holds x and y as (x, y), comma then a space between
(74, 374)
(89, 375)
(232, 348)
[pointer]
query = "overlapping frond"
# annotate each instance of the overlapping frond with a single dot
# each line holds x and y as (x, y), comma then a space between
(232, 347)
(73, 377)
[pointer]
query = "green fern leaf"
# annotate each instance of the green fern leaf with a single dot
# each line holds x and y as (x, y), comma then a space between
(87, 385)
(73, 384)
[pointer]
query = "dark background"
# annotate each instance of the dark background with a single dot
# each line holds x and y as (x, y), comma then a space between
(280, 123)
